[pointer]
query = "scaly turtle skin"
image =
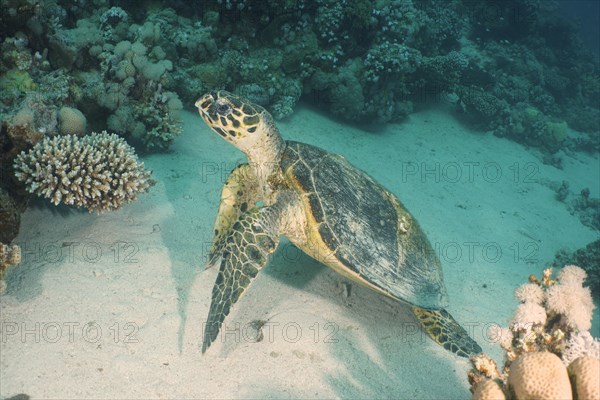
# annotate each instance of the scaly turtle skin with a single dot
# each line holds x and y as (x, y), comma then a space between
(331, 210)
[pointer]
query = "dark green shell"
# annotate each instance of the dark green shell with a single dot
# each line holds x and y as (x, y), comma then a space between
(358, 221)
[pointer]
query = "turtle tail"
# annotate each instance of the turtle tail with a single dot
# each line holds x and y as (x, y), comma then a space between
(444, 329)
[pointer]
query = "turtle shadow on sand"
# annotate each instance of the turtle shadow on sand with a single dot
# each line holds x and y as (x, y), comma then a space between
(377, 345)
(181, 273)
(191, 178)
(382, 350)
(389, 355)
(292, 266)
(277, 293)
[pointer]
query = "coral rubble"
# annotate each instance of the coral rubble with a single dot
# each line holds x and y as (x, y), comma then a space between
(9, 256)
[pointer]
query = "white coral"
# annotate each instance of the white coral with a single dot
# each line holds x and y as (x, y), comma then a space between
(99, 172)
(579, 345)
(530, 292)
(553, 320)
(502, 336)
(573, 302)
(527, 315)
(571, 275)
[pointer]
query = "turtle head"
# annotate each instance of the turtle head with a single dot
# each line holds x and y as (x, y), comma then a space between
(244, 124)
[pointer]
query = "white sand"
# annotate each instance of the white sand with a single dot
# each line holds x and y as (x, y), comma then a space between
(112, 306)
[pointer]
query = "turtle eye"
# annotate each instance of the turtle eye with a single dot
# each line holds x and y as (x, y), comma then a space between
(223, 109)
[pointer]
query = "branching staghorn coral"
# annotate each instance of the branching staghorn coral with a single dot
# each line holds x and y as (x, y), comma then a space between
(550, 353)
(99, 172)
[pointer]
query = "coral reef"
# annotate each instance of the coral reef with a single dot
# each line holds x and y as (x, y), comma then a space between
(99, 172)
(17, 81)
(130, 88)
(587, 208)
(531, 126)
(528, 79)
(580, 344)
(550, 353)
(589, 258)
(9, 257)
(91, 65)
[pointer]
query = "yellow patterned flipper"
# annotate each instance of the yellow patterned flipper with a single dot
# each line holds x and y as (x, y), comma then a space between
(246, 252)
(444, 329)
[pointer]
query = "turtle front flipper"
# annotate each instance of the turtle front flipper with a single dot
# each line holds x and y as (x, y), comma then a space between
(239, 194)
(246, 251)
(444, 329)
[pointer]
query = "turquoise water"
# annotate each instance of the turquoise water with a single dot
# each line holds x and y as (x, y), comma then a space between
(481, 117)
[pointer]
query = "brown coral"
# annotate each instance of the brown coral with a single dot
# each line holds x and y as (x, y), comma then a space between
(10, 216)
(585, 376)
(539, 375)
(99, 172)
(71, 121)
(9, 256)
(488, 390)
(21, 128)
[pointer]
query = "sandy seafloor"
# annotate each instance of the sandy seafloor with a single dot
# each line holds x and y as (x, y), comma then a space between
(112, 306)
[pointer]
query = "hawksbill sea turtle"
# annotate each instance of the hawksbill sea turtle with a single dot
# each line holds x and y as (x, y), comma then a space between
(329, 209)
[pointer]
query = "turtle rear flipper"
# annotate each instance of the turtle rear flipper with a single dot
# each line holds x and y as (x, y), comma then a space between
(444, 329)
(246, 251)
